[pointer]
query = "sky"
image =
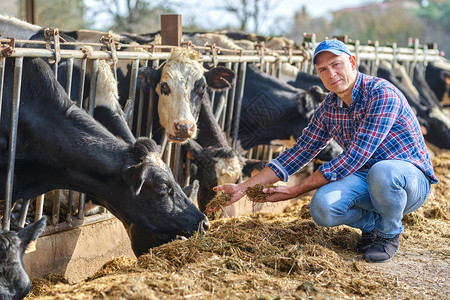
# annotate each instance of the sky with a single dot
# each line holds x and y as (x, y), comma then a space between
(207, 13)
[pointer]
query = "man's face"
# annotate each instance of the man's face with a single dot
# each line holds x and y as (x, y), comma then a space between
(337, 72)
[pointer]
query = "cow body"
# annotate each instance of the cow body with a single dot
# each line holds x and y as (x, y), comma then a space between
(436, 125)
(14, 281)
(59, 146)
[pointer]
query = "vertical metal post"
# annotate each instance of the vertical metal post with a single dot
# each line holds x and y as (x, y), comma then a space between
(93, 87)
(132, 93)
(24, 212)
(69, 72)
(231, 109)
(151, 106)
(237, 115)
(39, 208)
(2, 79)
(82, 81)
(12, 141)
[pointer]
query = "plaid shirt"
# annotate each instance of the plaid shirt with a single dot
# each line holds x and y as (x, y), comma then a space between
(378, 125)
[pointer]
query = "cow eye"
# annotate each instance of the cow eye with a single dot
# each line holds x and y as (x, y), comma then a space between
(162, 190)
(164, 88)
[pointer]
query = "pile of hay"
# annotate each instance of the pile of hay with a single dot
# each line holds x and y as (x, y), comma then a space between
(266, 256)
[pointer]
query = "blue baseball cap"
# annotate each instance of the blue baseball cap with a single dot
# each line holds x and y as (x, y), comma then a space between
(334, 46)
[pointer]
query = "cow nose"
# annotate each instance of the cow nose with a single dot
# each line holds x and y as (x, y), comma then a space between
(203, 226)
(184, 129)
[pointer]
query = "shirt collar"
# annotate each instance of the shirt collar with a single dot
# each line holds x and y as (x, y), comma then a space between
(356, 92)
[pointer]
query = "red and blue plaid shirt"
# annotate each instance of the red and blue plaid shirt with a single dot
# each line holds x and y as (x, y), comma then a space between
(378, 125)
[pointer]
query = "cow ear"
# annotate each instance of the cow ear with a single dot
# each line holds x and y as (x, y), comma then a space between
(220, 78)
(148, 77)
(194, 150)
(29, 234)
(135, 177)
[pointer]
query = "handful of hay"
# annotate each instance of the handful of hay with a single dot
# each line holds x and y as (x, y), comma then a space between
(217, 202)
(255, 193)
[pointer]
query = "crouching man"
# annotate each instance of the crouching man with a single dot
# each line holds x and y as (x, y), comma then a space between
(384, 171)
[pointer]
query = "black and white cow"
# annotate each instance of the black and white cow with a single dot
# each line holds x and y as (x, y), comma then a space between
(184, 111)
(59, 146)
(14, 281)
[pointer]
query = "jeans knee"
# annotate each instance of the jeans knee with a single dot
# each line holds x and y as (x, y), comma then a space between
(320, 212)
(382, 175)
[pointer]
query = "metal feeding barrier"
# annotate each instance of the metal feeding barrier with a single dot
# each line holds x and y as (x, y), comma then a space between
(227, 107)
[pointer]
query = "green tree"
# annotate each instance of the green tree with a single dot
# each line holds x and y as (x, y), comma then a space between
(63, 14)
(136, 16)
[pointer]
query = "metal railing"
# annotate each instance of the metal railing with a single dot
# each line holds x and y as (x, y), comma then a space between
(227, 110)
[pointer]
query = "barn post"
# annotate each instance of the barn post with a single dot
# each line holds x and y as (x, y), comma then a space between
(29, 11)
(12, 141)
(171, 32)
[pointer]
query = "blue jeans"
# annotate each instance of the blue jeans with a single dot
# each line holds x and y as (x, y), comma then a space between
(373, 198)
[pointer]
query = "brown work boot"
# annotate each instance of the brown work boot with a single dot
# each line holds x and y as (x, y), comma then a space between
(366, 241)
(383, 249)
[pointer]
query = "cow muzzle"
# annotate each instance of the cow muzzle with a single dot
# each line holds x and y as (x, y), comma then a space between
(182, 131)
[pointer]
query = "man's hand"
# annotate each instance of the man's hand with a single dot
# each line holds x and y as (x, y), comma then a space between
(235, 189)
(280, 193)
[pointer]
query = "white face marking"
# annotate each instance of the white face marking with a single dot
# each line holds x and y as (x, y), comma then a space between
(228, 171)
(155, 158)
(180, 73)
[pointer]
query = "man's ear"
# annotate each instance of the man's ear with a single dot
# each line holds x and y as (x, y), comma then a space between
(353, 62)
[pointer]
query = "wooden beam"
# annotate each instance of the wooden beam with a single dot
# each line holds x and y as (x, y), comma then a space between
(29, 11)
(171, 30)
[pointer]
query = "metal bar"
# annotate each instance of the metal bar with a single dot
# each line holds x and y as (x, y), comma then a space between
(151, 106)
(132, 93)
(69, 206)
(39, 207)
(237, 115)
(93, 87)
(2, 79)
(69, 72)
(55, 207)
(12, 141)
(140, 111)
(82, 81)
(24, 212)
(230, 113)
(81, 207)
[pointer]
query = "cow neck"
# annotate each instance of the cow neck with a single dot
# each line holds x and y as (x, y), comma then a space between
(210, 133)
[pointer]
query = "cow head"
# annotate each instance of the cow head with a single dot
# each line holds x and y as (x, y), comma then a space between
(213, 166)
(181, 85)
(14, 281)
(158, 206)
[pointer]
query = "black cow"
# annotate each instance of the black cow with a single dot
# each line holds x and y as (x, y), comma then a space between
(305, 80)
(14, 281)
(435, 123)
(437, 75)
(59, 146)
(272, 109)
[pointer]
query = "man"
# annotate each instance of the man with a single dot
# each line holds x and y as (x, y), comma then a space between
(384, 171)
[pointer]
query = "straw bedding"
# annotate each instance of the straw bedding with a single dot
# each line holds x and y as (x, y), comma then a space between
(266, 256)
